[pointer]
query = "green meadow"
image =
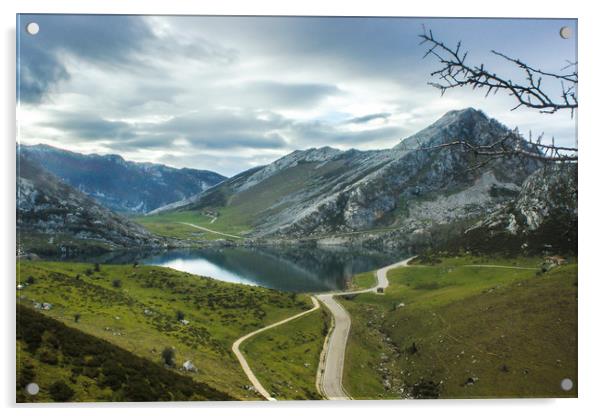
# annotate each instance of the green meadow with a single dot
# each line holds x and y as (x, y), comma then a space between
(450, 328)
(145, 309)
(229, 221)
(285, 359)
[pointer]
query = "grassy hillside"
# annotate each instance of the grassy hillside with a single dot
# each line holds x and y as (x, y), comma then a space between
(454, 329)
(285, 359)
(69, 365)
(141, 309)
(168, 224)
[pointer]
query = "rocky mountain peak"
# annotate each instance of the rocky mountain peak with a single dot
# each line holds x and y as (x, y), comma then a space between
(468, 124)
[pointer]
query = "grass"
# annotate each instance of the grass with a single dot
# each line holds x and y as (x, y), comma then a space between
(285, 359)
(140, 315)
(363, 281)
(69, 365)
(229, 221)
(453, 331)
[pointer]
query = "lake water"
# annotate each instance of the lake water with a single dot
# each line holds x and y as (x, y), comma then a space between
(293, 269)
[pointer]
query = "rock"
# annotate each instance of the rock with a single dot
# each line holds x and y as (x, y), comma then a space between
(189, 366)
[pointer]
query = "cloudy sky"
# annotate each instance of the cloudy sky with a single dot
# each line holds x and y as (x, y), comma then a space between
(230, 93)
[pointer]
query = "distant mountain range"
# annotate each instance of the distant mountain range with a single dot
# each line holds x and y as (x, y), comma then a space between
(414, 194)
(120, 185)
(325, 191)
(53, 218)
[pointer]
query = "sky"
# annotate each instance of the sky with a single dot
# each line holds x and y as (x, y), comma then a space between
(230, 93)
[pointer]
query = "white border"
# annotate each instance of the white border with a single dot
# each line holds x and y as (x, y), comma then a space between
(590, 144)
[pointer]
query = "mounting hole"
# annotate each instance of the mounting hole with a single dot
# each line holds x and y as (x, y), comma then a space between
(565, 32)
(566, 384)
(32, 388)
(32, 28)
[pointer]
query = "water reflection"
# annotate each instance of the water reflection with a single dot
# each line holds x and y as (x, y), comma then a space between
(288, 268)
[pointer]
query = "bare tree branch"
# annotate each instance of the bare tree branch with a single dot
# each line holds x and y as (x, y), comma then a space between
(455, 72)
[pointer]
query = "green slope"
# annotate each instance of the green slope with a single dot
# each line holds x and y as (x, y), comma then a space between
(69, 365)
(452, 330)
(136, 308)
(285, 359)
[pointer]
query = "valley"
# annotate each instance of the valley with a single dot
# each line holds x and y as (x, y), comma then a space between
(193, 285)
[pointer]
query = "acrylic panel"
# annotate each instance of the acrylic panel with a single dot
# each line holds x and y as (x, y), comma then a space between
(295, 208)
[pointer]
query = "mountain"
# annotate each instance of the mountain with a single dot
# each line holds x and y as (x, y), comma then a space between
(542, 217)
(120, 185)
(325, 191)
(54, 218)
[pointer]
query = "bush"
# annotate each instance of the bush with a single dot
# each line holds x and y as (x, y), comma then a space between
(116, 283)
(49, 356)
(30, 280)
(425, 390)
(76, 317)
(60, 391)
(96, 267)
(179, 315)
(169, 355)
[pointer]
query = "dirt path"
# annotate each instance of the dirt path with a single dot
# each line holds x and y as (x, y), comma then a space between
(243, 361)
(330, 371)
(500, 267)
(209, 231)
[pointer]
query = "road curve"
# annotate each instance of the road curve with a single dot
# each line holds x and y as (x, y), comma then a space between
(208, 230)
(243, 361)
(330, 371)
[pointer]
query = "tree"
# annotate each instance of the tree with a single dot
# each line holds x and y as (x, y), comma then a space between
(116, 283)
(168, 355)
(76, 317)
(96, 267)
(456, 72)
(60, 391)
(180, 315)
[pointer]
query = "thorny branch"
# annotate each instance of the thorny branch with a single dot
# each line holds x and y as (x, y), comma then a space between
(456, 72)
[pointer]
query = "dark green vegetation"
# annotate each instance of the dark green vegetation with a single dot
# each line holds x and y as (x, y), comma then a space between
(70, 365)
(450, 328)
(285, 359)
(141, 314)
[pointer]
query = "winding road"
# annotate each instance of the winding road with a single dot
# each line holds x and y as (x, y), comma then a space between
(329, 377)
(330, 370)
(243, 361)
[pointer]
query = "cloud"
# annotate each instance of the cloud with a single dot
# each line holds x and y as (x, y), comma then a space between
(106, 41)
(230, 93)
(368, 118)
(90, 127)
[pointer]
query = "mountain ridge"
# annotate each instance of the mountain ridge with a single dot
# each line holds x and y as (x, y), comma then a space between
(325, 190)
(118, 184)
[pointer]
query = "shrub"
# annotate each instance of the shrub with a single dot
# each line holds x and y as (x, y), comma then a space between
(30, 280)
(179, 315)
(168, 355)
(116, 283)
(49, 356)
(76, 317)
(60, 391)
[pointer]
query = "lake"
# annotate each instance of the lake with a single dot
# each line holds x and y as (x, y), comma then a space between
(288, 268)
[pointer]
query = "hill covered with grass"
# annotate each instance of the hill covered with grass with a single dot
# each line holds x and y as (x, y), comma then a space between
(455, 328)
(146, 309)
(70, 365)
